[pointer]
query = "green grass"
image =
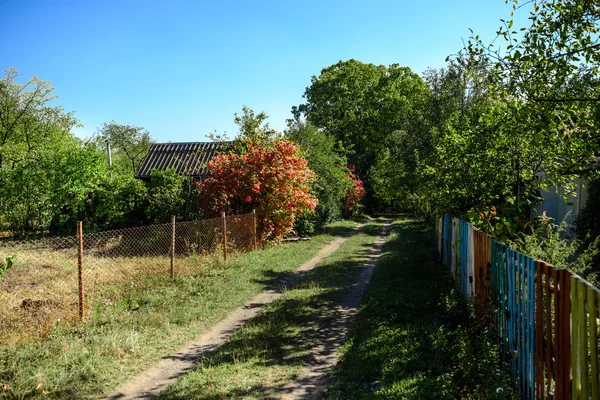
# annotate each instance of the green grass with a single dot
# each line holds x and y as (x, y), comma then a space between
(122, 337)
(415, 337)
(270, 350)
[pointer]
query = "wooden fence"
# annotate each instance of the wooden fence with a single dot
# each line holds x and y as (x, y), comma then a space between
(545, 319)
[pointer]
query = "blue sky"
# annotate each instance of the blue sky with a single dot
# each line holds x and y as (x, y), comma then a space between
(181, 69)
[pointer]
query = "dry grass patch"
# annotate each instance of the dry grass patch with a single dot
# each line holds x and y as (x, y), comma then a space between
(42, 288)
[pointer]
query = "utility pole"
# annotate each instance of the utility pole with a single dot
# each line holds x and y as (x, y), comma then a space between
(109, 157)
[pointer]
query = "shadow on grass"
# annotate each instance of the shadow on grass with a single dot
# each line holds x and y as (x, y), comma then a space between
(285, 333)
(415, 337)
(343, 231)
(272, 280)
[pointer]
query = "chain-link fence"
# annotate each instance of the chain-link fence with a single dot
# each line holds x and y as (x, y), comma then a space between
(56, 278)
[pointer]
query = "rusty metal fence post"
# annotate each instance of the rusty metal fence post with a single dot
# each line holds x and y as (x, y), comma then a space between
(254, 226)
(80, 269)
(224, 238)
(172, 247)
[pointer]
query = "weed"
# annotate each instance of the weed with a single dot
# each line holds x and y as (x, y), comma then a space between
(6, 265)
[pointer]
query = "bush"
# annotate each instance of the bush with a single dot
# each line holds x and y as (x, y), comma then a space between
(550, 242)
(166, 195)
(271, 178)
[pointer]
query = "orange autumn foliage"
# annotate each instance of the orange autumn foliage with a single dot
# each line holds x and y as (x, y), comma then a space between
(271, 178)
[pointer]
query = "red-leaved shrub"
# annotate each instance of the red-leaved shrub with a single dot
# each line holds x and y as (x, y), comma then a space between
(356, 192)
(271, 178)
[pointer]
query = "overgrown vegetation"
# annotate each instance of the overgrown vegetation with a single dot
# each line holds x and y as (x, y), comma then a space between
(482, 136)
(546, 240)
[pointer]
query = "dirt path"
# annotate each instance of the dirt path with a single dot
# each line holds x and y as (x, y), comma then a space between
(314, 377)
(154, 380)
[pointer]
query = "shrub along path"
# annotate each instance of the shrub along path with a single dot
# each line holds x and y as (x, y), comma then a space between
(154, 380)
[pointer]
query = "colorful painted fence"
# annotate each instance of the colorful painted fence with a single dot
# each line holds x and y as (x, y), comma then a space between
(546, 320)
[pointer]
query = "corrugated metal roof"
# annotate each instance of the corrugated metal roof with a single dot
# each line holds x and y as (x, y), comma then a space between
(187, 159)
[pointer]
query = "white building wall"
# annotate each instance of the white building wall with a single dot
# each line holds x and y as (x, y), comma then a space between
(558, 206)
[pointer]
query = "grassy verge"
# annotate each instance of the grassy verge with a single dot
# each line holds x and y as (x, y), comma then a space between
(270, 350)
(415, 338)
(123, 337)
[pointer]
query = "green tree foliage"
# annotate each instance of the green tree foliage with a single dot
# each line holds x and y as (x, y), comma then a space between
(363, 105)
(49, 178)
(166, 195)
(35, 146)
(254, 126)
(327, 159)
(503, 121)
(543, 85)
(475, 160)
(119, 202)
(588, 221)
(29, 122)
(129, 145)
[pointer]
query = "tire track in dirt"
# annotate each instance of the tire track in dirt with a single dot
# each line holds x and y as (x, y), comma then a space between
(315, 376)
(169, 369)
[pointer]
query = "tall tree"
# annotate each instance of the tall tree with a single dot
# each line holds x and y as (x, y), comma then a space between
(129, 144)
(35, 139)
(29, 122)
(362, 105)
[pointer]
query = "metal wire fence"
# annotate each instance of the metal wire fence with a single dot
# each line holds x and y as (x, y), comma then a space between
(54, 279)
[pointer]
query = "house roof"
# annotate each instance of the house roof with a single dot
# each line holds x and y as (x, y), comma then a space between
(189, 158)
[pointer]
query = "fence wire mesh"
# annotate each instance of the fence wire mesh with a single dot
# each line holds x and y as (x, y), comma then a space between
(42, 286)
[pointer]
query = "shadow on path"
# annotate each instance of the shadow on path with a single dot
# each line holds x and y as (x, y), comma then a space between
(306, 327)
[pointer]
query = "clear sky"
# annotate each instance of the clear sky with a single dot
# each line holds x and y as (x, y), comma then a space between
(181, 69)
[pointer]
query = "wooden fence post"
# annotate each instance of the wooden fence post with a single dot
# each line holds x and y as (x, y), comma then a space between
(172, 247)
(80, 269)
(224, 238)
(254, 223)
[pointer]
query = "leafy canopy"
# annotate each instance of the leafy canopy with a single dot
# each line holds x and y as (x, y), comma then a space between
(129, 145)
(362, 105)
